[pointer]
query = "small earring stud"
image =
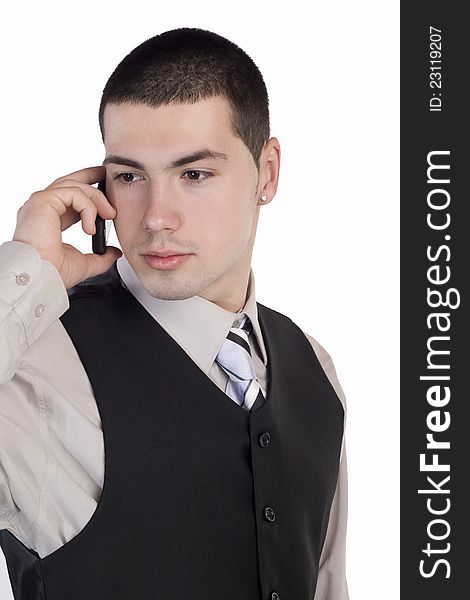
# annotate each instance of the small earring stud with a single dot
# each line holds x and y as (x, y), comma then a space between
(263, 198)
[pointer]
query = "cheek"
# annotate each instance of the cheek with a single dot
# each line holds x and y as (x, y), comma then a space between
(226, 227)
(128, 219)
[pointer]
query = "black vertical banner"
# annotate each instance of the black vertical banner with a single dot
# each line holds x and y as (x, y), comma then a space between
(435, 349)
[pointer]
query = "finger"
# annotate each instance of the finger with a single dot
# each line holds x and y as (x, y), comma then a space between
(105, 209)
(73, 198)
(69, 219)
(70, 203)
(88, 175)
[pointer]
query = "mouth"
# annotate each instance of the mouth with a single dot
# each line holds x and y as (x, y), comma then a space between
(165, 260)
(164, 253)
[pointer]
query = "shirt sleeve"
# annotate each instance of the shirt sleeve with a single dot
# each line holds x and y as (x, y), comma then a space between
(32, 297)
(332, 582)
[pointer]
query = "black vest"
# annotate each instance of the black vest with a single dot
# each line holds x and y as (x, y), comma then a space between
(201, 499)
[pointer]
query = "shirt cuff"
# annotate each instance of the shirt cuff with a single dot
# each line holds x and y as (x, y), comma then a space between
(32, 297)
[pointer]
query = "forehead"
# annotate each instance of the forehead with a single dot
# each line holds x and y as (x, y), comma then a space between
(170, 126)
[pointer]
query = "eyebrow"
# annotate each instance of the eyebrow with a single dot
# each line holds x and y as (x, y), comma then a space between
(183, 160)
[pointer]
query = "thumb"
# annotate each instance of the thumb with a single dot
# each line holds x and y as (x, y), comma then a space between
(100, 263)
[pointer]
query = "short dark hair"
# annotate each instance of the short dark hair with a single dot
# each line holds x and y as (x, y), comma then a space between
(187, 65)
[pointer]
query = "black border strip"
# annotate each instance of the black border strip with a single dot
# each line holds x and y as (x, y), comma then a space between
(435, 359)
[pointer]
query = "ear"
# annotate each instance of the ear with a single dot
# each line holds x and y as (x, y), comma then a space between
(269, 165)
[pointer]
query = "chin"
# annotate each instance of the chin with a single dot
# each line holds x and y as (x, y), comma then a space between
(167, 285)
(177, 284)
(166, 293)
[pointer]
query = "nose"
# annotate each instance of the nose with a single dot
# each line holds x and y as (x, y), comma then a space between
(162, 210)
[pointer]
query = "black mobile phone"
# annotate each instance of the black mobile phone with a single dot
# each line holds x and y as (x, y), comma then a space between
(99, 238)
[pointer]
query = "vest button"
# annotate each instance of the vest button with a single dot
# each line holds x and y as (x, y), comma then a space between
(264, 439)
(275, 596)
(269, 514)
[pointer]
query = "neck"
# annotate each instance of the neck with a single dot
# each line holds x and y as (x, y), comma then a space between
(233, 297)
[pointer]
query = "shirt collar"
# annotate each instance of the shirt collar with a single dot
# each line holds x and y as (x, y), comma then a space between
(198, 325)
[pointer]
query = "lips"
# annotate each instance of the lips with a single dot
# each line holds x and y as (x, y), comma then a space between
(168, 262)
(165, 253)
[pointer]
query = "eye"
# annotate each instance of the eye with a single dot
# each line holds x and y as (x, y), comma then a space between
(195, 176)
(125, 178)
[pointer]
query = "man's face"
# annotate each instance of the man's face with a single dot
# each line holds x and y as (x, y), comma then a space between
(206, 207)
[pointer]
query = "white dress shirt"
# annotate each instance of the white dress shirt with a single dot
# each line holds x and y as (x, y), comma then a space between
(51, 442)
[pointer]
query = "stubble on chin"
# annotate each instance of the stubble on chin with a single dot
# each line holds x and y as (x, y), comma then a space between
(171, 284)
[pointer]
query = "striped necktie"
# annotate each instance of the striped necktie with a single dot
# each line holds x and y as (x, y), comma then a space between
(235, 359)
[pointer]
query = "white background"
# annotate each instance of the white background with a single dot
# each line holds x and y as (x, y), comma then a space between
(327, 246)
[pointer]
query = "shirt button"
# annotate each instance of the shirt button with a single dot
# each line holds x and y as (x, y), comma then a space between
(40, 308)
(275, 596)
(264, 439)
(23, 279)
(269, 514)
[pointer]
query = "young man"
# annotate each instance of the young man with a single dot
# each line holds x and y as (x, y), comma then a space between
(163, 434)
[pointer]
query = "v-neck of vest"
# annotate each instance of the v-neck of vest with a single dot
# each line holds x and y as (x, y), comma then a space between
(180, 349)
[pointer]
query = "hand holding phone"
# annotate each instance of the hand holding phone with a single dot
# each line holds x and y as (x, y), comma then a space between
(47, 213)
